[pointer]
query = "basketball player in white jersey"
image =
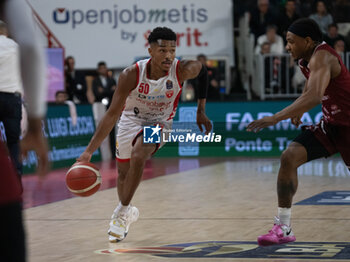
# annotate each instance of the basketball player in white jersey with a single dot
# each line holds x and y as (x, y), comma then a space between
(147, 94)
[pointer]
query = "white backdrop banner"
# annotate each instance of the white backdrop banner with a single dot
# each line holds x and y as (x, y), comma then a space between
(116, 31)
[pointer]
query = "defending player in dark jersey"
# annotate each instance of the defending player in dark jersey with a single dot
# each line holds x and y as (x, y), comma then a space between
(328, 83)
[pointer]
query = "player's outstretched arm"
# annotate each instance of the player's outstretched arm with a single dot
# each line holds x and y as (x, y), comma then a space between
(194, 69)
(126, 83)
(320, 67)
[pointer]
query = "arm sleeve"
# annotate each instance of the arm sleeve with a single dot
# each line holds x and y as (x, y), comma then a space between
(202, 83)
(17, 14)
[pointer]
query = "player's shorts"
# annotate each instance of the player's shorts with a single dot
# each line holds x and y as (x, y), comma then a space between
(324, 139)
(10, 185)
(126, 139)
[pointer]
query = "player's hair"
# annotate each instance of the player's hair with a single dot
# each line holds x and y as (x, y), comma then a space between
(306, 27)
(163, 33)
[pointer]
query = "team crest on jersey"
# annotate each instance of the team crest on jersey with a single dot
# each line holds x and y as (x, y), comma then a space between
(169, 84)
(169, 93)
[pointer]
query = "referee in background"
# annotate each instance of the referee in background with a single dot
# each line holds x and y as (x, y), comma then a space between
(10, 94)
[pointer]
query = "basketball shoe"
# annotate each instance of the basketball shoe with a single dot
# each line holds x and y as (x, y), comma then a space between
(120, 223)
(279, 234)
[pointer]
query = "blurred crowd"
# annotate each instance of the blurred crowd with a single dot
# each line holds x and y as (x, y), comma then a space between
(269, 20)
(268, 23)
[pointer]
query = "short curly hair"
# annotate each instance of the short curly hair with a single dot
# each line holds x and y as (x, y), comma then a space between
(163, 33)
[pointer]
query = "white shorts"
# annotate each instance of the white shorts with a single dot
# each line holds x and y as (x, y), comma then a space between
(126, 138)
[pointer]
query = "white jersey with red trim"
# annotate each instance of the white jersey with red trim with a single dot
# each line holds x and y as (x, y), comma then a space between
(152, 101)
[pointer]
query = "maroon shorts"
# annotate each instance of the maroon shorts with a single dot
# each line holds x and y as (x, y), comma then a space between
(10, 185)
(334, 139)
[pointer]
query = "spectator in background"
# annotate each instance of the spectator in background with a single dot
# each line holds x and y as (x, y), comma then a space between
(341, 11)
(265, 48)
(213, 87)
(103, 88)
(103, 85)
(61, 97)
(271, 37)
(76, 87)
(10, 94)
(287, 17)
(322, 17)
(332, 35)
(260, 17)
(339, 47)
(305, 7)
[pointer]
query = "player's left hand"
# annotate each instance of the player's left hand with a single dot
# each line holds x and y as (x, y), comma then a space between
(259, 124)
(202, 119)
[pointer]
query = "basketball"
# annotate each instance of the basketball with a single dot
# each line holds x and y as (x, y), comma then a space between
(83, 179)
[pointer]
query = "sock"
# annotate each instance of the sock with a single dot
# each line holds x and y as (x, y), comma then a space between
(121, 208)
(284, 214)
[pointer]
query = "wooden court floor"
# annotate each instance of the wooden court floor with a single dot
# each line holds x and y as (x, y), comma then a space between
(205, 212)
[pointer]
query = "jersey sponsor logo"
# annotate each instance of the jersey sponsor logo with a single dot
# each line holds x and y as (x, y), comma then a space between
(155, 104)
(169, 93)
(169, 84)
(155, 97)
(312, 251)
(142, 96)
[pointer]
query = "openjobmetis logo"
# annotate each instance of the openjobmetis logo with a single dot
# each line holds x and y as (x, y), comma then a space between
(60, 15)
(116, 16)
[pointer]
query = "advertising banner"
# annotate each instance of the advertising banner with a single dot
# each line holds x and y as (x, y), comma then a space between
(229, 136)
(55, 72)
(116, 31)
(67, 138)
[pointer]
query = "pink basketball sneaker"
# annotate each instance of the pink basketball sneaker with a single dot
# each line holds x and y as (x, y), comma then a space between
(279, 234)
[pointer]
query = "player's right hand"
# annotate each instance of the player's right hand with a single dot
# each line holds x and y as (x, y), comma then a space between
(84, 157)
(296, 121)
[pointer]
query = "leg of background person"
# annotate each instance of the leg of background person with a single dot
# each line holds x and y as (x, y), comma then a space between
(12, 243)
(287, 183)
(128, 183)
(12, 124)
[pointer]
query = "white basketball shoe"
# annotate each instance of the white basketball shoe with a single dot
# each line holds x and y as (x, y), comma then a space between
(120, 223)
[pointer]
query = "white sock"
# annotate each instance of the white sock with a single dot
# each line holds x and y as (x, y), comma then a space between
(121, 208)
(284, 214)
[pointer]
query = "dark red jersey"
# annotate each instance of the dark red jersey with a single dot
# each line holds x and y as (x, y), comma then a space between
(10, 185)
(336, 99)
